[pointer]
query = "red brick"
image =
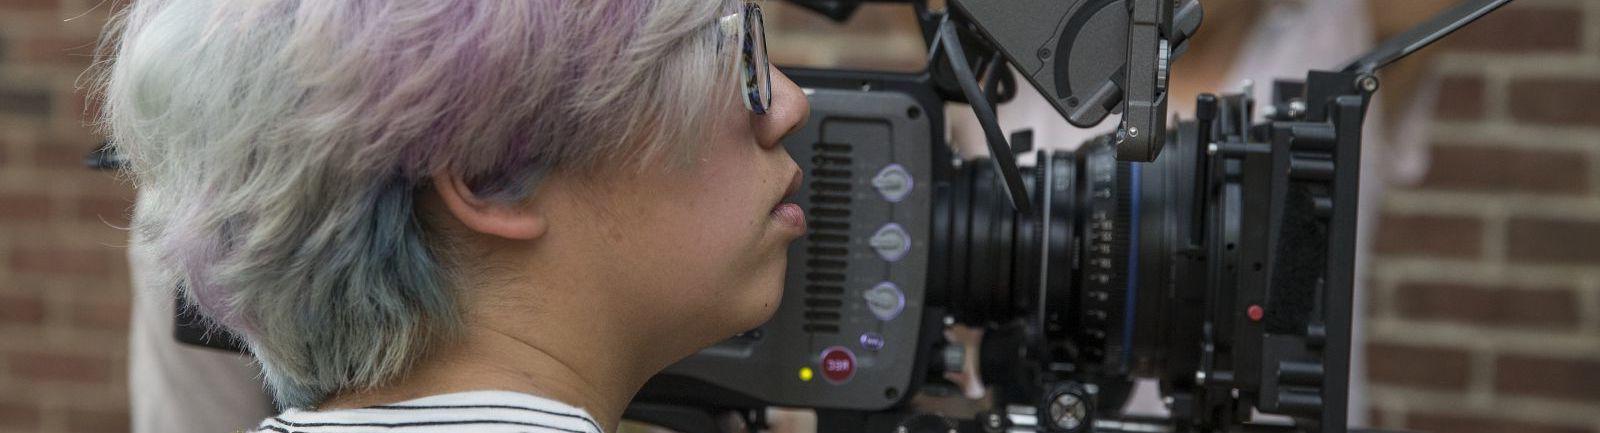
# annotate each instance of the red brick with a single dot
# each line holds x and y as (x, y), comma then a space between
(1522, 30)
(868, 19)
(16, 308)
(62, 262)
(1503, 169)
(1430, 235)
(1491, 306)
(871, 21)
(1562, 378)
(101, 314)
(1555, 101)
(1449, 423)
(62, 155)
(112, 210)
(19, 416)
(100, 185)
(87, 421)
(24, 207)
(25, 102)
(1460, 98)
(29, 5)
(1437, 368)
(75, 52)
(57, 367)
(1541, 241)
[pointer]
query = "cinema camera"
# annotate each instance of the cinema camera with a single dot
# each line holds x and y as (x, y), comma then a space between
(1222, 266)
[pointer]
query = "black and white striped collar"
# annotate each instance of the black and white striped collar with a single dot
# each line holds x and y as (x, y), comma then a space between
(475, 411)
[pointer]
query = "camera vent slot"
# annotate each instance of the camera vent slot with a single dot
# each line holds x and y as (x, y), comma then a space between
(828, 242)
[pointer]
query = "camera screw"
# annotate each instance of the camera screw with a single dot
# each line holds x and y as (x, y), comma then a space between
(1133, 131)
(1044, 53)
(1297, 108)
(1368, 83)
(1199, 378)
(994, 421)
(1068, 411)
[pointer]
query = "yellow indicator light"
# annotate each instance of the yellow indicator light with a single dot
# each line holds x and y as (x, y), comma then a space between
(805, 374)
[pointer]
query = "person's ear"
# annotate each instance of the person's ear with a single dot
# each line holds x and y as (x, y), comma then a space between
(516, 221)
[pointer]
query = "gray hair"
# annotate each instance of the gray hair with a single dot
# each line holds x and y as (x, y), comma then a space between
(279, 146)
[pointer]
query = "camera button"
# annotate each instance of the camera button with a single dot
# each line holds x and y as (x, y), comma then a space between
(872, 341)
(838, 365)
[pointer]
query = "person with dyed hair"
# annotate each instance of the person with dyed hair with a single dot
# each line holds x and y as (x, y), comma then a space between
(458, 215)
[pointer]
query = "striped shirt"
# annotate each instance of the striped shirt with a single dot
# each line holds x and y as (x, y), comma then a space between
(476, 412)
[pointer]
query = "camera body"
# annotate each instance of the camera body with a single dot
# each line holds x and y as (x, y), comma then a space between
(853, 322)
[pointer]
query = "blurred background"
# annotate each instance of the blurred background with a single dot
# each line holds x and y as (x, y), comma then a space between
(1483, 302)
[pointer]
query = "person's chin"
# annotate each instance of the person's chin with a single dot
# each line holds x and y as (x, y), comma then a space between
(765, 294)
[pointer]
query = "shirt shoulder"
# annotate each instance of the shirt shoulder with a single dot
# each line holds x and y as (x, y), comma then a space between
(476, 411)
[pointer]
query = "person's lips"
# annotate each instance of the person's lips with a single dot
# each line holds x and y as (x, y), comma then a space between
(786, 210)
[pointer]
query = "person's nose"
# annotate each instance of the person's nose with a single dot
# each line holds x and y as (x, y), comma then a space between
(788, 112)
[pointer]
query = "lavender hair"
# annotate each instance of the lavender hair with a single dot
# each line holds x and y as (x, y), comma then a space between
(279, 146)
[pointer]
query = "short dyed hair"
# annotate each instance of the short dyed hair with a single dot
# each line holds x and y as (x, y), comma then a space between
(279, 147)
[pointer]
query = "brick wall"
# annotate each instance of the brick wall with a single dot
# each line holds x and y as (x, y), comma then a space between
(63, 278)
(1485, 306)
(1485, 314)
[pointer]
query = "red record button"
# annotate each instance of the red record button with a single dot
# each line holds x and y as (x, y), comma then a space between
(838, 364)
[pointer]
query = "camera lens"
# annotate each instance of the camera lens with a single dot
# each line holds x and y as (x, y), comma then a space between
(1092, 265)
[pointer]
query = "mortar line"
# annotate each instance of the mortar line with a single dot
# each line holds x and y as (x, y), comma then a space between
(1480, 374)
(1533, 410)
(1495, 219)
(1514, 135)
(1496, 82)
(1588, 294)
(1591, 26)
(1594, 170)
(1532, 341)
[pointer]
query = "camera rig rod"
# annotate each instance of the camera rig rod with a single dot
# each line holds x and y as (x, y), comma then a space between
(1424, 34)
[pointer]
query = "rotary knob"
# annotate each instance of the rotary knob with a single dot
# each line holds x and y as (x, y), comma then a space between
(891, 242)
(893, 183)
(885, 300)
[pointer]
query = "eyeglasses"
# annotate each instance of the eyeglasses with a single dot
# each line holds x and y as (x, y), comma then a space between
(754, 72)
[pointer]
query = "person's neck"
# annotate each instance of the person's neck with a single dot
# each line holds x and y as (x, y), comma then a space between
(579, 373)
